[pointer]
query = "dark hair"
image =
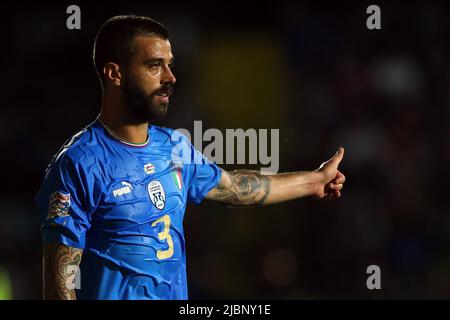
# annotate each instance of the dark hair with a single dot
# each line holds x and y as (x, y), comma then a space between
(114, 39)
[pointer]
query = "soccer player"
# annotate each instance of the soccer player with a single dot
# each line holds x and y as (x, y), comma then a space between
(113, 198)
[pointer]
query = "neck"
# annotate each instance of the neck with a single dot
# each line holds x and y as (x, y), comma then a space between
(125, 128)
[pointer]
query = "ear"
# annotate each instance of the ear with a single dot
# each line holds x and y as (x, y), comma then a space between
(111, 72)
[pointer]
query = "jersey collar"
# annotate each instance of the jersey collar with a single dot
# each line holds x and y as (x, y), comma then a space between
(130, 144)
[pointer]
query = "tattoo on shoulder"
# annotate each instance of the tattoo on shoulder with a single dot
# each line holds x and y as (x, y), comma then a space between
(60, 265)
(247, 188)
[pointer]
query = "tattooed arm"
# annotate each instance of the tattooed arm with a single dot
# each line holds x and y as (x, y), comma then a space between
(241, 188)
(60, 264)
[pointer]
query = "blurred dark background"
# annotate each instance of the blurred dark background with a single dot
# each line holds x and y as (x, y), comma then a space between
(311, 69)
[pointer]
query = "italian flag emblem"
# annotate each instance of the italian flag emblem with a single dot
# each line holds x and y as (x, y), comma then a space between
(177, 177)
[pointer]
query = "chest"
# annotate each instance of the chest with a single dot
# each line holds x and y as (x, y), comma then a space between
(141, 190)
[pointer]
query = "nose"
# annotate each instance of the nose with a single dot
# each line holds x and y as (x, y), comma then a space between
(168, 77)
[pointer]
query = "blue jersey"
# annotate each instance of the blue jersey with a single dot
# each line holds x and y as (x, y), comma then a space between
(124, 205)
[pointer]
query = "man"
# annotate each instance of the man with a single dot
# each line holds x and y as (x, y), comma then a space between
(114, 196)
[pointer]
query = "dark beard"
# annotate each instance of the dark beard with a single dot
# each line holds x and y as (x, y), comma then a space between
(141, 106)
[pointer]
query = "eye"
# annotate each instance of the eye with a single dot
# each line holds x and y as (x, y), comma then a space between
(172, 65)
(155, 65)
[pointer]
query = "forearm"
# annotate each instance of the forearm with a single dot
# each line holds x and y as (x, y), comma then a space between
(292, 185)
(240, 188)
(60, 263)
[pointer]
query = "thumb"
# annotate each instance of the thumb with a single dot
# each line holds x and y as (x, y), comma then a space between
(339, 155)
(337, 158)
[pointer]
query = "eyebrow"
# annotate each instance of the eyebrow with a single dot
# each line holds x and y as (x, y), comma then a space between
(152, 60)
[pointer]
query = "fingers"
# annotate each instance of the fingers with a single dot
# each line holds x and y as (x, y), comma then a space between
(340, 178)
(335, 186)
(333, 190)
(336, 194)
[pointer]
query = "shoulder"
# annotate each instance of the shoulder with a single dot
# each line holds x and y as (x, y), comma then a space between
(80, 150)
(164, 136)
(73, 165)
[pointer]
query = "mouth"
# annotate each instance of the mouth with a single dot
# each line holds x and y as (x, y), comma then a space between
(162, 101)
(164, 92)
(164, 98)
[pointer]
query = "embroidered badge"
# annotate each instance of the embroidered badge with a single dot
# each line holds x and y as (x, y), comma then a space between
(149, 168)
(177, 177)
(59, 204)
(157, 194)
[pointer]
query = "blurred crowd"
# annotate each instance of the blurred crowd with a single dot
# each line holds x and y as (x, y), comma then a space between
(313, 71)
